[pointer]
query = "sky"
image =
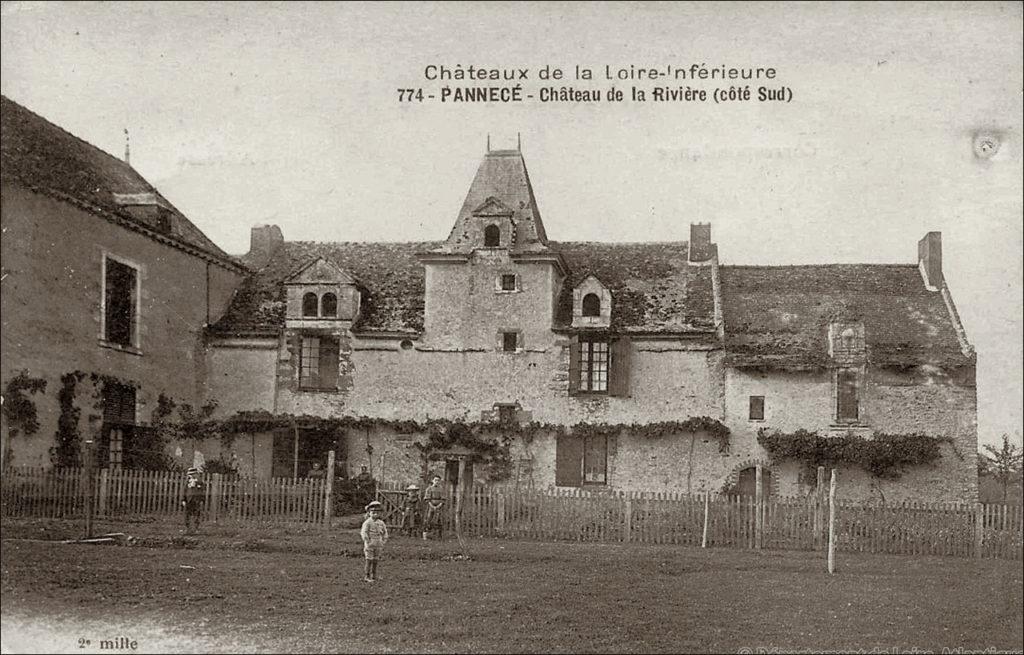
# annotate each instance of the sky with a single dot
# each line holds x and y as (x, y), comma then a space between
(289, 113)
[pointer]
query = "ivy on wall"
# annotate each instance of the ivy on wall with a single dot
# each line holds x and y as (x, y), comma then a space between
(487, 442)
(68, 448)
(883, 455)
(18, 407)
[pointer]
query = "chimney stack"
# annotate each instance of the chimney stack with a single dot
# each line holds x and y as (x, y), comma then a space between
(700, 242)
(929, 260)
(263, 242)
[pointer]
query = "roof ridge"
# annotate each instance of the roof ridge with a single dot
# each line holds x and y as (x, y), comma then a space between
(834, 265)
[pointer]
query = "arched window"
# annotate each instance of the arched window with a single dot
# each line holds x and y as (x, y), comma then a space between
(492, 236)
(591, 305)
(309, 304)
(329, 305)
(848, 336)
(746, 482)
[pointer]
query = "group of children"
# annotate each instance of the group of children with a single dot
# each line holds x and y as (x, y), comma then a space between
(375, 531)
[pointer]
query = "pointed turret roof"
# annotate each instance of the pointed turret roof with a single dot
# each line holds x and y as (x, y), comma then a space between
(501, 186)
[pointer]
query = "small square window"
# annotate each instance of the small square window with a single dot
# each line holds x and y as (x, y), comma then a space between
(509, 341)
(757, 408)
(508, 282)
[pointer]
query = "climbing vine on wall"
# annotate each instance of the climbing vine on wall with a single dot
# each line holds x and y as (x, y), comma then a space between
(488, 442)
(67, 451)
(883, 455)
(18, 407)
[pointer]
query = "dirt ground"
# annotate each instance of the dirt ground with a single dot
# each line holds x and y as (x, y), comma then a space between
(279, 590)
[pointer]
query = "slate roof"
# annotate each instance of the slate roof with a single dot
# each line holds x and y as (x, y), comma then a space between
(502, 175)
(779, 315)
(653, 288)
(389, 276)
(41, 156)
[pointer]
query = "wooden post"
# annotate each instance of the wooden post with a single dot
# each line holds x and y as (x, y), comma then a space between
(104, 488)
(979, 530)
(329, 489)
(501, 512)
(704, 537)
(832, 524)
(819, 507)
(295, 456)
(214, 497)
(628, 520)
(758, 508)
(460, 486)
(90, 461)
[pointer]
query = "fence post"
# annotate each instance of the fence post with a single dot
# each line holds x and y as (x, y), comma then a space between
(832, 524)
(819, 507)
(215, 497)
(704, 537)
(979, 530)
(758, 508)
(104, 487)
(501, 512)
(329, 489)
(628, 518)
(90, 460)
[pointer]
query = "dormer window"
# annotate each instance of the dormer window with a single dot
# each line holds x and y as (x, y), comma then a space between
(309, 305)
(321, 290)
(492, 236)
(329, 305)
(591, 304)
(849, 337)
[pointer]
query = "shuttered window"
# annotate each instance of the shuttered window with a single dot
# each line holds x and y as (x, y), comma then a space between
(581, 461)
(847, 405)
(318, 363)
(600, 366)
(568, 461)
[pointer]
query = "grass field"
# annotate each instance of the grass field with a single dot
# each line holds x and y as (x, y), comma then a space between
(231, 591)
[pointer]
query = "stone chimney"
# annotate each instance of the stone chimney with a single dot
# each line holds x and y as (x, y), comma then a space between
(929, 260)
(264, 240)
(700, 242)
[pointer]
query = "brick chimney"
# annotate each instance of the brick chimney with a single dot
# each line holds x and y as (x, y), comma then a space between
(264, 240)
(929, 260)
(700, 242)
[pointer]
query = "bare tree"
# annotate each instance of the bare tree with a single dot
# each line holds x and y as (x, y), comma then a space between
(1003, 463)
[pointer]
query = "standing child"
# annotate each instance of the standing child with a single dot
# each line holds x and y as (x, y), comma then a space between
(410, 510)
(375, 535)
(195, 492)
(434, 495)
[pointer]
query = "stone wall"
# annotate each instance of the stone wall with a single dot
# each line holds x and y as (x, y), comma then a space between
(51, 313)
(895, 402)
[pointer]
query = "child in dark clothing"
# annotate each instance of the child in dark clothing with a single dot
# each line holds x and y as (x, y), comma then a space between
(195, 492)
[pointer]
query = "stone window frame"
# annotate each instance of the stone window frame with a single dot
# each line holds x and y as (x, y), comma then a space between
(502, 342)
(499, 283)
(134, 346)
(488, 232)
(305, 362)
(573, 466)
(323, 304)
(858, 376)
(750, 410)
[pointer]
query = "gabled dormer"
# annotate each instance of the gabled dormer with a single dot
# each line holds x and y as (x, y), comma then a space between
(591, 304)
(321, 291)
(492, 225)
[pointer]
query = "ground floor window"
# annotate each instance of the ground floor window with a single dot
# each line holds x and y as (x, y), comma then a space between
(581, 461)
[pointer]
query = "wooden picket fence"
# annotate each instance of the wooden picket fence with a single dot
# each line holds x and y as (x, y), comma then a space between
(789, 523)
(800, 523)
(137, 495)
